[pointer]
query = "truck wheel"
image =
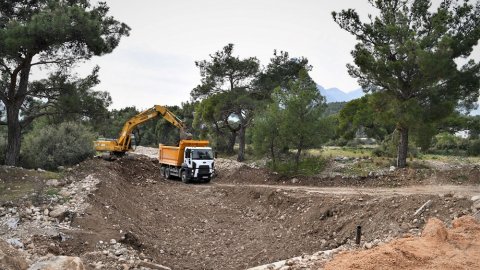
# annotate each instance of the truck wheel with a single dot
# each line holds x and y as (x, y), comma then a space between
(167, 173)
(184, 177)
(162, 172)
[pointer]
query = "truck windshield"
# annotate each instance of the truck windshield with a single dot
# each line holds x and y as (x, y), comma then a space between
(202, 154)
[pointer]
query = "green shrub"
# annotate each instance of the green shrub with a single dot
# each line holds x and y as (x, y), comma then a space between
(446, 141)
(389, 148)
(307, 166)
(341, 142)
(51, 146)
(474, 148)
(353, 143)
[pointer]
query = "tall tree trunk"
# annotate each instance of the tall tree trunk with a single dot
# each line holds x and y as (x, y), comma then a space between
(402, 148)
(241, 144)
(14, 135)
(231, 142)
(297, 158)
(272, 153)
(16, 97)
(299, 152)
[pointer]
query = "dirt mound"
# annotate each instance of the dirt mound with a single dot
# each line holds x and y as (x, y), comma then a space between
(437, 248)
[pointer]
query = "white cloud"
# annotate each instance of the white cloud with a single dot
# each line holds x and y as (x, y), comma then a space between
(155, 64)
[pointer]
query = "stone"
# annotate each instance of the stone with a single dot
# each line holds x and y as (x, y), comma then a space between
(121, 251)
(52, 183)
(423, 207)
(392, 168)
(12, 223)
(153, 265)
(65, 193)
(58, 211)
(294, 181)
(476, 205)
(476, 198)
(15, 242)
(59, 263)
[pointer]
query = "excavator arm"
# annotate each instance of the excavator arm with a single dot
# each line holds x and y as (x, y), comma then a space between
(123, 143)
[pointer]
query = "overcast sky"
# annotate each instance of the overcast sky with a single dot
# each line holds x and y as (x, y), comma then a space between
(155, 64)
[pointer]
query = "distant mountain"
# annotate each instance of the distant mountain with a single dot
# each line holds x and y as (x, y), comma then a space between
(337, 95)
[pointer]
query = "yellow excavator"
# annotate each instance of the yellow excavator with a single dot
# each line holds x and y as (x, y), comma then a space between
(123, 144)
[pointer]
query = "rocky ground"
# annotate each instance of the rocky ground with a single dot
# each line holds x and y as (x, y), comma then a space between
(122, 215)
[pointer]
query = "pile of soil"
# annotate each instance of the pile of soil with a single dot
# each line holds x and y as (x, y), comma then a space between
(437, 248)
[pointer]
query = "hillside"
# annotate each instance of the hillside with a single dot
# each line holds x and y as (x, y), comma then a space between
(337, 95)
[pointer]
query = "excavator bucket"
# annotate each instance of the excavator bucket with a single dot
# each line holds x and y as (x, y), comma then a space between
(185, 135)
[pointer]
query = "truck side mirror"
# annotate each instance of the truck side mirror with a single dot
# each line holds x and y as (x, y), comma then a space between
(215, 154)
(187, 153)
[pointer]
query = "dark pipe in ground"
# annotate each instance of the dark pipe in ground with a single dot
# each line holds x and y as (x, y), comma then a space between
(359, 235)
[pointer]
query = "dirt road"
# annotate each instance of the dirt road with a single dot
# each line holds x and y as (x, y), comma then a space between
(377, 192)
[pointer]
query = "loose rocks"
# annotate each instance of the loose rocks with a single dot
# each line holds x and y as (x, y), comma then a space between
(59, 263)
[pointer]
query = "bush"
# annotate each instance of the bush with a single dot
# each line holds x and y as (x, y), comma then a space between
(341, 142)
(474, 148)
(389, 148)
(307, 166)
(446, 141)
(51, 146)
(353, 143)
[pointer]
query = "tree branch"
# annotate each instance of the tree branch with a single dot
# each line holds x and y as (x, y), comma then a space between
(7, 68)
(46, 63)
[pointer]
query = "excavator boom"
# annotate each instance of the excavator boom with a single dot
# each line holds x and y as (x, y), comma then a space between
(123, 143)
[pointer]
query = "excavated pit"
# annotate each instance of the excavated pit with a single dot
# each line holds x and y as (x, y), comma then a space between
(235, 226)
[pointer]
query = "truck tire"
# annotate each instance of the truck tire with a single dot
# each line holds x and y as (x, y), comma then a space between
(184, 177)
(167, 173)
(162, 172)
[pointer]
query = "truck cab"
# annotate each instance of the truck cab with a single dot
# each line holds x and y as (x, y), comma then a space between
(191, 160)
(198, 164)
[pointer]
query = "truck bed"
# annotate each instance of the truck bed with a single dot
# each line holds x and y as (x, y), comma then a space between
(173, 155)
